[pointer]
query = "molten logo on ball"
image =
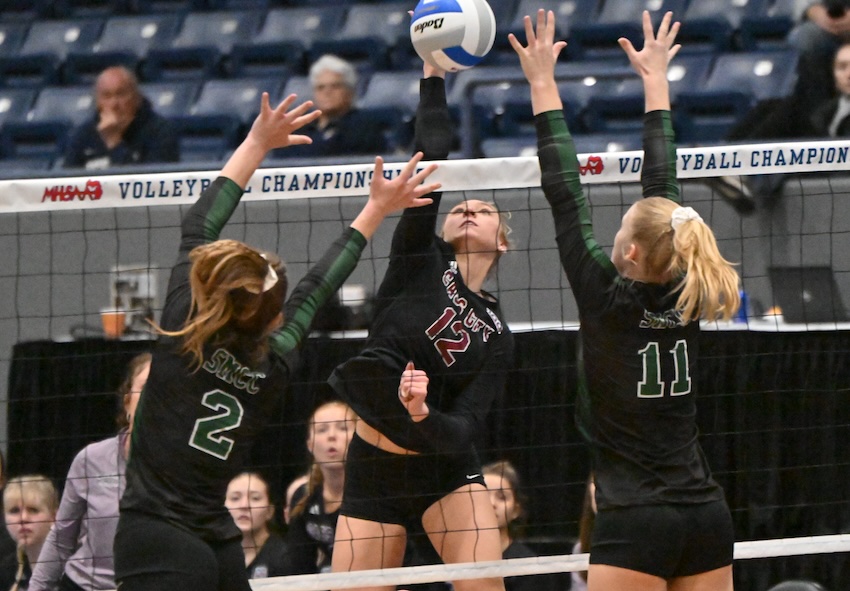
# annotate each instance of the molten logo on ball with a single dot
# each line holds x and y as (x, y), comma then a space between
(453, 34)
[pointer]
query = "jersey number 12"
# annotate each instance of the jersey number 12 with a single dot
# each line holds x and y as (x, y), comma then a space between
(652, 386)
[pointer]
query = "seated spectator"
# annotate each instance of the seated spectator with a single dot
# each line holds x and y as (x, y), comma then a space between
(250, 504)
(312, 524)
(509, 503)
(78, 550)
(29, 504)
(125, 129)
(342, 129)
(824, 26)
(787, 119)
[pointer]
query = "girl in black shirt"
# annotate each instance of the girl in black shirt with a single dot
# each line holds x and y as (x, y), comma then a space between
(662, 520)
(228, 347)
(413, 456)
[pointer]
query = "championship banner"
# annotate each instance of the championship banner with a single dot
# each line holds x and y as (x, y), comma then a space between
(95, 191)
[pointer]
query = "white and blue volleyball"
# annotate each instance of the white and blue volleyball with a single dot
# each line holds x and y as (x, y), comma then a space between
(453, 34)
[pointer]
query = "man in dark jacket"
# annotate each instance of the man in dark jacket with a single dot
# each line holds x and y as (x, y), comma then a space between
(125, 129)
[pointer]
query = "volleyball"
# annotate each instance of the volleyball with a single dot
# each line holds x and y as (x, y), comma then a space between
(453, 34)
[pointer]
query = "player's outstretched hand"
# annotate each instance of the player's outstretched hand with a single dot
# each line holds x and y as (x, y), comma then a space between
(538, 57)
(273, 128)
(658, 47)
(412, 391)
(403, 191)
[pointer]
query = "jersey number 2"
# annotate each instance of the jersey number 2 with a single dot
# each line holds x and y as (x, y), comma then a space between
(651, 386)
(446, 346)
(207, 435)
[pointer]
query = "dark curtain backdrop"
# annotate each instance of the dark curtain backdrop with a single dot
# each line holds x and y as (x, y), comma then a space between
(774, 411)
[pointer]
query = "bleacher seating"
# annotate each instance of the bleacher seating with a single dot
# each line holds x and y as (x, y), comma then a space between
(69, 104)
(203, 58)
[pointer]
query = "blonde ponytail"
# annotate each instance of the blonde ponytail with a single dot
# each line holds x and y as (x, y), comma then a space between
(708, 282)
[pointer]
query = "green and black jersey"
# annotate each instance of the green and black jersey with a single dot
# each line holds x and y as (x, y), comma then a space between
(635, 404)
(194, 429)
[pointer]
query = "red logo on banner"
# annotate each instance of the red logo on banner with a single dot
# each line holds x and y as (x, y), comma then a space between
(92, 191)
(594, 166)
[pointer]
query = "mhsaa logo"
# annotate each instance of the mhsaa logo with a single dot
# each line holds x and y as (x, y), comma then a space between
(594, 166)
(435, 23)
(92, 190)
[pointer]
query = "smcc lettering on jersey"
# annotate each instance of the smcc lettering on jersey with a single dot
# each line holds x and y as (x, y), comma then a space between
(224, 366)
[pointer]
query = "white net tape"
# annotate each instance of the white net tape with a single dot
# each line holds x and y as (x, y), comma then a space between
(526, 566)
(95, 191)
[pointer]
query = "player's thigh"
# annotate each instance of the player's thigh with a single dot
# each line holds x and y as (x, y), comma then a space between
(463, 528)
(602, 577)
(360, 544)
(715, 580)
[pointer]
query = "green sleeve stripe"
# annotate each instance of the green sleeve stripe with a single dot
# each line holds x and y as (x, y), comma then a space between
(568, 158)
(298, 325)
(225, 203)
(670, 136)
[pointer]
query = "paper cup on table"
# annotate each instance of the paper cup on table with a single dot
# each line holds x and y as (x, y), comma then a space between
(114, 322)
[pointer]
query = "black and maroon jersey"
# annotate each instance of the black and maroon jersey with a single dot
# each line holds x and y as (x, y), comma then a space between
(425, 313)
(636, 394)
(194, 428)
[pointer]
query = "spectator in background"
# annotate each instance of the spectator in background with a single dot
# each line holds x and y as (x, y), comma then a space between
(825, 25)
(786, 119)
(508, 501)
(315, 505)
(249, 502)
(342, 129)
(78, 552)
(124, 130)
(29, 504)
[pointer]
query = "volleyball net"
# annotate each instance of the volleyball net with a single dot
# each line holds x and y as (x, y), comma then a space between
(774, 403)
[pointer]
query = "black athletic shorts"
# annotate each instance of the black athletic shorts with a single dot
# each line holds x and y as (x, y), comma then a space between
(664, 540)
(152, 554)
(393, 488)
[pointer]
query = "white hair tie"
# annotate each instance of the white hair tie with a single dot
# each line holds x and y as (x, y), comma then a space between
(271, 277)
(682, 215)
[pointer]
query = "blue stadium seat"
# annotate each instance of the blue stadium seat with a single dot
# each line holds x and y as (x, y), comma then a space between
(61, 37)
(29, 71)
(767, 24)
(369, 35)
(736, 82)
(90, 8)
(83, 68)
(598, 38)
(137, 34)
(299, 85)
(712, 25)
(70, 104)
(206, 138)
(594, 143)
(239, 97)
(15, 103)
(160, 6)
(12, 36)
(567, 14)
(26, 10)
(39, 140)
(506, 147)
(198, 48)
(171, 99)
(392, 89)
(283, 40)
